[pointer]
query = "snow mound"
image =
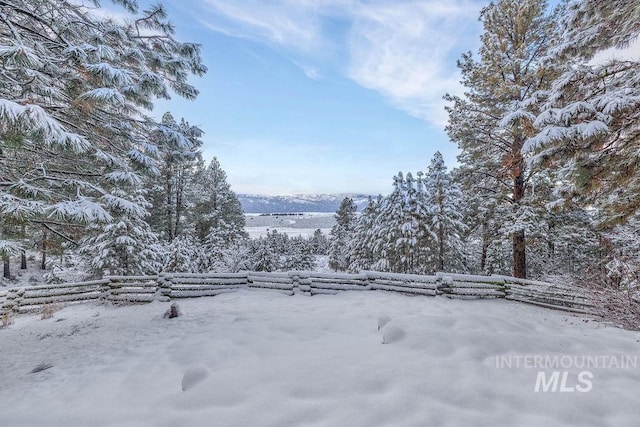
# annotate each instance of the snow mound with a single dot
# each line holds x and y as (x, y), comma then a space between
(383, 320)
(193, 376)
(392, 334)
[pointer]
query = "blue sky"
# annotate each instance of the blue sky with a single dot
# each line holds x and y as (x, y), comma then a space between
(323, 96)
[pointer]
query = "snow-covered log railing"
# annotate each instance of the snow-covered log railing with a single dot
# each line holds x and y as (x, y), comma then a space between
(469, 286)
(404, 283)
(131, 289)
(189, 285)
(29, 298)
(313, 283)
(544, 294)
(279, 281)
(166, 286)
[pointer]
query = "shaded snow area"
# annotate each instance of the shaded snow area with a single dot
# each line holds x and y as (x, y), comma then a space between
(260, 358)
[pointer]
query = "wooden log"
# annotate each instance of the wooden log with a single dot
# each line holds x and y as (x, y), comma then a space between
(261, 279)
(60, 292)
(331, 276)
(470, 297)
(67, 285)
(494, 293)
(133, 284)
(208, 281)
(131, 298)
(190, 287)
(358, 282)
(451, 277)
(241, 275)
(404, 289)
(199, 293)
(475, 285)
(340, 287)
(125, 291)
(269, 275)
(546, 305)
(549, 293)
(418, 285)
(400, 276)
(552, 301)
(130, 278)
(37, 301)
(270, 285)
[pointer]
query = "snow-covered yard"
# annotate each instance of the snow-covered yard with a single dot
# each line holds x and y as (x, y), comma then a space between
(261, 358)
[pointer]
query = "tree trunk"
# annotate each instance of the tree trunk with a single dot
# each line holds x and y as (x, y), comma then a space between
(43, 265)
(23, 260)
(178, 209)
(441, 246)
(519, 255)
(485, 246)
(441, 227)
(169, 204)
(519, 239)
(6, 271)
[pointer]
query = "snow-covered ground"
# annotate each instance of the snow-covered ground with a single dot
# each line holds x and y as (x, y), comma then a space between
(261, 358)
(293, 225)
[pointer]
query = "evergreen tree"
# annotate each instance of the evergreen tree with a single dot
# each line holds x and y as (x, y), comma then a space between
(125, 246)
(170, 188)
(319, 243)
(183, 255)
(74, 133)
(588, 119)
(264, 257)
(361, 244)
(488, 124)
(339, 235)
(445, 198)
(216, 206)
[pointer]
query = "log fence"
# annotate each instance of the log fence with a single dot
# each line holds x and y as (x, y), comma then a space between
(168, 286)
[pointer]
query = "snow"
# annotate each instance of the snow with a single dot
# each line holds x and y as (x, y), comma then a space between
(304, 224)
(263, 358)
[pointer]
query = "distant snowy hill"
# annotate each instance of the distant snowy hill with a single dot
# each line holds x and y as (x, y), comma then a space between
(298, 203)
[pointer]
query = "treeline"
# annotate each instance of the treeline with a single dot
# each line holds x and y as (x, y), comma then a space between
(434, 223)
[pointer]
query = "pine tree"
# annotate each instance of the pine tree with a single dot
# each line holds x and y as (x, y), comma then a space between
(73, 125)
(264, 257)
(170, 188)
(126, 245)
(361, 244)
(339, 235)
(215, 204)
(319, 243)
(489, 123)
(183, 255)
(444, 198)
(588, 124)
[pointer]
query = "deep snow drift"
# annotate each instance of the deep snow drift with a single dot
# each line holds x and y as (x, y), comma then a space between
(262, 358)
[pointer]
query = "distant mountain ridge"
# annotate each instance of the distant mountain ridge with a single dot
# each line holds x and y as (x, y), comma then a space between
(254, 203)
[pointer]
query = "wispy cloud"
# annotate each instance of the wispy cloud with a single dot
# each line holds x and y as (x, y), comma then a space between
(291, 24)
(403, 49)
(310, 71)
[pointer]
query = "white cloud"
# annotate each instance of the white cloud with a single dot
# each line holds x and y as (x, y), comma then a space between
(288, 23)
(405, 50)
